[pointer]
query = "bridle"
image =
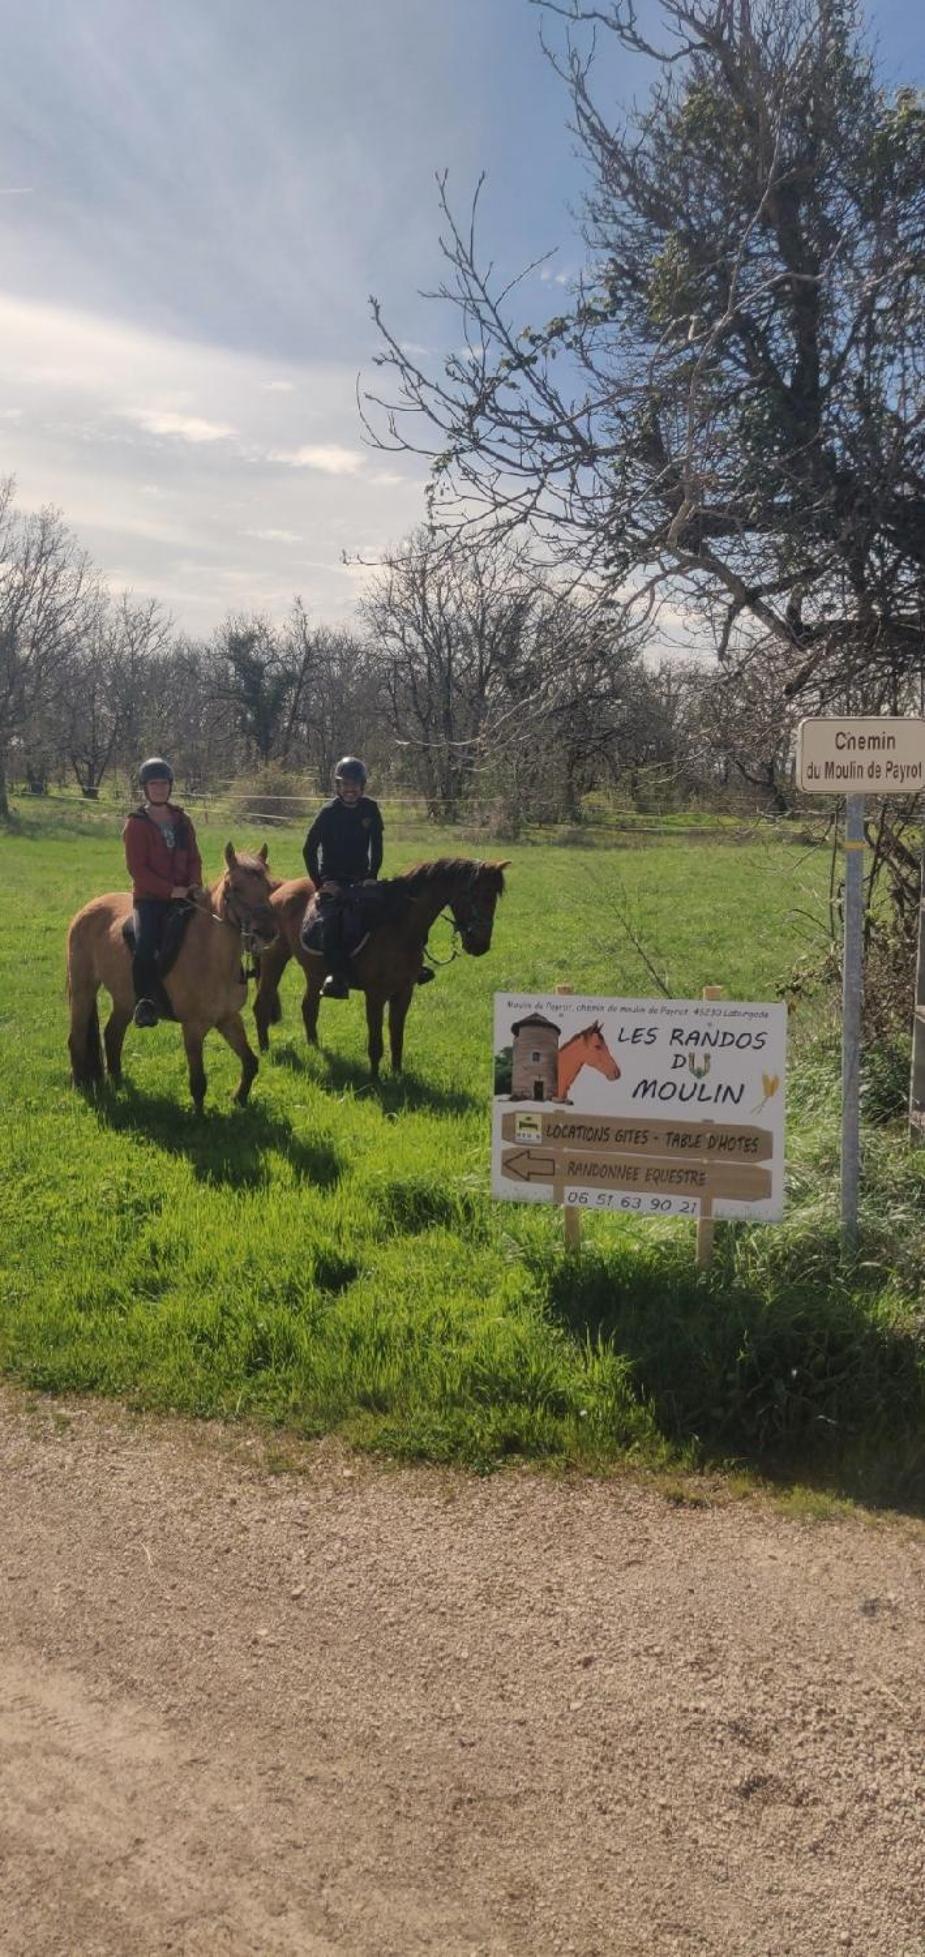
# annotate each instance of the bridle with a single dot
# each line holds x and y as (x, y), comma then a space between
(464, 914)
(239, 917)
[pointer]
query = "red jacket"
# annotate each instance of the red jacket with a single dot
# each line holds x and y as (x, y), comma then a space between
(156, 870)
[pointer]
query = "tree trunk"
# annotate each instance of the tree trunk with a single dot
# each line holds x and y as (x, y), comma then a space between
(5, 811)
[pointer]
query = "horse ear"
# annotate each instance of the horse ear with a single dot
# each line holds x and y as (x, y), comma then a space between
(508, 860)
(230, 857)
(263, 852)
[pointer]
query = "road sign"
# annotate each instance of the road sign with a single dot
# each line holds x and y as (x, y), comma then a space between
(875, 755)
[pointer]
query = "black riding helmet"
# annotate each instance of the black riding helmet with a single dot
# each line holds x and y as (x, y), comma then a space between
(155, 769)
(351, 769)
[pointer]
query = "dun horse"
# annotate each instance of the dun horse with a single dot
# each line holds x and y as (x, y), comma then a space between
(387, 967)
(205, 987)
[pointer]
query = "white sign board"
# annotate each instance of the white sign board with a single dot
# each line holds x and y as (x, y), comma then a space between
(876, 756)
(657, 1107)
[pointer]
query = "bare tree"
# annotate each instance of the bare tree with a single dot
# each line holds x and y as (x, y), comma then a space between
(46, 587)
(501, 681)
(108, 681)
(730, 405)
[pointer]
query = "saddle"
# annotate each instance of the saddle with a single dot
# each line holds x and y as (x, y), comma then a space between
(175, 929)
(355, 915)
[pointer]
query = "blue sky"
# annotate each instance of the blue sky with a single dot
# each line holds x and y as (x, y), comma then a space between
(196, 201)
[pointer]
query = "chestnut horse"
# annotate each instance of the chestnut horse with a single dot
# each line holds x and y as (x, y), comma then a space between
(387, 966)
(586, 1048)
(205, 987)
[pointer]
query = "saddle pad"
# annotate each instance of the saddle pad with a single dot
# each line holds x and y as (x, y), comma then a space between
(175, 929)
(360, 910)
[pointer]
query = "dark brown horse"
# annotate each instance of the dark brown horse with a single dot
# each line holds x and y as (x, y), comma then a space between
(205, 986)
(387, 966)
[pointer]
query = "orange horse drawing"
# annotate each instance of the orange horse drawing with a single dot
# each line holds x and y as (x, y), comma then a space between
(585, 1049)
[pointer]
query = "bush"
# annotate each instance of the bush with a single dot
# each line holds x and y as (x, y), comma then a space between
(274, 795)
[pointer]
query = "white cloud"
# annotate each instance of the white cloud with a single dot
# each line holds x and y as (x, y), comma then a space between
(277, 387)
(185, 499)
(330, 458)
(189, 428)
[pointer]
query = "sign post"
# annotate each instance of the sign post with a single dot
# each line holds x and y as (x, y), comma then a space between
(878, 756)
(571, 1217)
(705, 1225)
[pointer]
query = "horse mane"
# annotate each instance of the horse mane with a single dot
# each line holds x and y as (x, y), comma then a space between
(256, 864)
(452, 869)
(583, 1033)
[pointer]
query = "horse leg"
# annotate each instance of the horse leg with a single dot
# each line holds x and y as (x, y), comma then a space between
(267, 1008)
(84, 1043)
(398, 1012)
(232, 1030)
(113, 1039)
(192, 1040)
(375, 1007)
(314, 980)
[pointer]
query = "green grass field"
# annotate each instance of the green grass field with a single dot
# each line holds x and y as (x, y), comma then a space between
(329, 1258)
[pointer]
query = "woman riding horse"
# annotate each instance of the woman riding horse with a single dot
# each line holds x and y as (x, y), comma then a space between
(205, 986)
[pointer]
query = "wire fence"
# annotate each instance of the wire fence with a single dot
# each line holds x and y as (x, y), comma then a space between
(599, 825)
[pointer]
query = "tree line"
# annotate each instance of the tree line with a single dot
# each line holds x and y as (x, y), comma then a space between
(471, 678)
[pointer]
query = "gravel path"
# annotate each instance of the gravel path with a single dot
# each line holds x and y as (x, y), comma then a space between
(364, 1712)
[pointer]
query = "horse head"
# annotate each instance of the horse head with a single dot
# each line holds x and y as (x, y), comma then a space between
(599, 1054)
(244, 900)
(472, 907)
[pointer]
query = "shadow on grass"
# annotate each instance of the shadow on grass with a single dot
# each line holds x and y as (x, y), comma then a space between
(813, 1382)
(225, 1145)
(395, 1092)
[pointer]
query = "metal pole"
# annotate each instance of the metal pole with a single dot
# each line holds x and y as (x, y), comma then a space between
(852, 999)
(917, 1079)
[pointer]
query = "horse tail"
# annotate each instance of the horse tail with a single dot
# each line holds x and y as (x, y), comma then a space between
(84, 1043)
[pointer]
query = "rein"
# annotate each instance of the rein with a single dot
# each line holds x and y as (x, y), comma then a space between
(445, 917)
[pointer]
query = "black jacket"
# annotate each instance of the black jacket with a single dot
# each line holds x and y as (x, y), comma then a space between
(344, 843)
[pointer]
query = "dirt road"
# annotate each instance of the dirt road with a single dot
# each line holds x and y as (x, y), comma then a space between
(352, 1712)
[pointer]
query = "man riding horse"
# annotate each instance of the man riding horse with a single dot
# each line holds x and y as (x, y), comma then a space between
(343, 850)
